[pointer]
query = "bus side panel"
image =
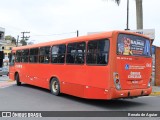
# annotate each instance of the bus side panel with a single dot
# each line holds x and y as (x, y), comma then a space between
(97, 82)
(72, 89)
(85, 81)
(71, 77)
(23, 71)
(33, 75)
(41, 72)
(96, 93)
(73, 80)
(47, 71)
(11, 73)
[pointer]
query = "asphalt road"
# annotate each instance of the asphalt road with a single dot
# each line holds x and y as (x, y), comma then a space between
(28, 98)
(31, 98)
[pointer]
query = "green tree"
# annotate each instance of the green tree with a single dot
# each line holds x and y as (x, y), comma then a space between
(8, 37)
(12, 39)
(23, 42)
(117, 1)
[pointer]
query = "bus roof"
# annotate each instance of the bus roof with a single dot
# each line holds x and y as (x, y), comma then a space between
(76, 39)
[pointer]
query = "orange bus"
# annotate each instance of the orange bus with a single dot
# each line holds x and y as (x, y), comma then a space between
(109, 65)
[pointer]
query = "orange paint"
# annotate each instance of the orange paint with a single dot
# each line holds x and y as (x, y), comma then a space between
(124, 75)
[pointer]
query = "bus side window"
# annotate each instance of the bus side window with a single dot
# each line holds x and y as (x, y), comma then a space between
(33, 58)
(76, 53)
(97, 52)
(91, 52)
(80, 53)
(11, 59)
(103, 48)
(44, 54)
(58, 54)
(18, 56)
(25, 54)
(71, 49)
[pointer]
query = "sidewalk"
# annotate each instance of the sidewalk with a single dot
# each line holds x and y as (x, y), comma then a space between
(155, 91)
(4, 84)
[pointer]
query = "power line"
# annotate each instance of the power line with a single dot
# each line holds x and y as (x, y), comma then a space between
(55, 34)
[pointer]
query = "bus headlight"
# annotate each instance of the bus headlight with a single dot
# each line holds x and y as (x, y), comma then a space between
(116, 80)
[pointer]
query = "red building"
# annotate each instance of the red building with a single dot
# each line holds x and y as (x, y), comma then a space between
(157, 66)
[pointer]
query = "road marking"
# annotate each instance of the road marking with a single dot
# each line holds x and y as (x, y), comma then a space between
(6, 84)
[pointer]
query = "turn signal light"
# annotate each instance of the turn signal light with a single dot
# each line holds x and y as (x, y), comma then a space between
(116, 76)
(150, 80)
(117, 81)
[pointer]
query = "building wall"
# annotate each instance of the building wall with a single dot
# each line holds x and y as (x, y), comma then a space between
(7, 48)
(153, 65)
(153, 69)
(157, 66)
(2, 34)
(2, 31)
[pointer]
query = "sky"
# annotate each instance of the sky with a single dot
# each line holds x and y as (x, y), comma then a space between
(48, 20)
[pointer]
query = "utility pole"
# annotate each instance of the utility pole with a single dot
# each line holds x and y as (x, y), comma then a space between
(17, 41)
(77, 33)
(139, 13)
(25, 37)
(127, 25)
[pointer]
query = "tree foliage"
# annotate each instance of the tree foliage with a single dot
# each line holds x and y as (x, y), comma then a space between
(117, 1)
(12, 39)
(8, 37)
(23, 42)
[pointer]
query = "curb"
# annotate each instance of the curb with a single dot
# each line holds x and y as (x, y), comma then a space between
(10, 80)
(155, 94)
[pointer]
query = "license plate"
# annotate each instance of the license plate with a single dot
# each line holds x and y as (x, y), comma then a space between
(134, 81)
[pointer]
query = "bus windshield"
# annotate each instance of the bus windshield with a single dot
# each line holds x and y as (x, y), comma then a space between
(133, 45)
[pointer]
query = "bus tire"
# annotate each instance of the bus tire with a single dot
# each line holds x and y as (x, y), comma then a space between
(18, 80)
(55, 86)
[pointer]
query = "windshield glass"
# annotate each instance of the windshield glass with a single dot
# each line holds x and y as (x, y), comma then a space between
(133, 45)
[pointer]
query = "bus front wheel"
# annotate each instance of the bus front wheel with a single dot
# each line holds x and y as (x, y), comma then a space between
(55, 86)
(18, 80)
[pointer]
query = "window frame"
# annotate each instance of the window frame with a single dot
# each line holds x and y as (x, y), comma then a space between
(88, 64)
(25, 55)
(65, 53)
(44, 55)
(18, 56)
(76, 48)
(133, 55)
(33, 55)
